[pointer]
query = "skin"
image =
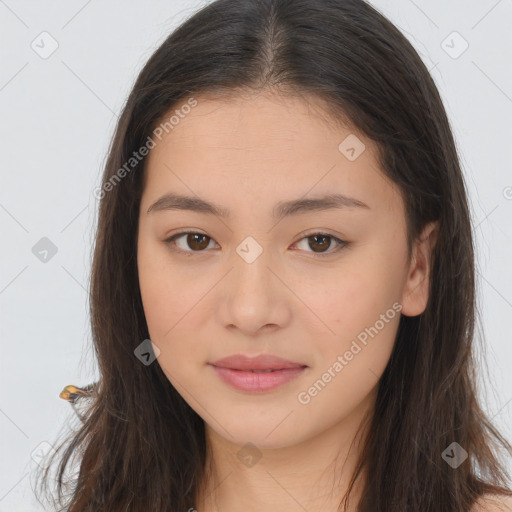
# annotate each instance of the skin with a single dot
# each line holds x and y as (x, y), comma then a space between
(247, 154)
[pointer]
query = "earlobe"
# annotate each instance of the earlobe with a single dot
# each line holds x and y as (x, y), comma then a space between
(416, 289)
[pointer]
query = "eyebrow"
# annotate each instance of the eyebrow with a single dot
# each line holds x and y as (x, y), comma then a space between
(173, 201)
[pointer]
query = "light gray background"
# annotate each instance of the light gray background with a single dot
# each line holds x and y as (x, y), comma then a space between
(57, 116)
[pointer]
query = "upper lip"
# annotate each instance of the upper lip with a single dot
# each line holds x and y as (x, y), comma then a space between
(261, 362)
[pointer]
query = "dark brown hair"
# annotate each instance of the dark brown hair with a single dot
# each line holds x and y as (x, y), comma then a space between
(141, 447)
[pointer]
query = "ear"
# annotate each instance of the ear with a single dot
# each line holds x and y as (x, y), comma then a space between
(416, 287)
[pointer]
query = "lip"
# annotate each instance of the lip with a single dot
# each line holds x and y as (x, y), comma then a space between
(238, 371)
(261, 362)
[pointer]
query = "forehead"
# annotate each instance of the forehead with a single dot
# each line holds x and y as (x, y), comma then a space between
(259, 147)
(263, 122)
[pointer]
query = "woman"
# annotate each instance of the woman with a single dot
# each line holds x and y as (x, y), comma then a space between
(283, 289)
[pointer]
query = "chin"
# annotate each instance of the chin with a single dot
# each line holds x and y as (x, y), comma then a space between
(266, 433)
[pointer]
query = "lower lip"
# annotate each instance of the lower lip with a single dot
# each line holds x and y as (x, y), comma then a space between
(257, 382)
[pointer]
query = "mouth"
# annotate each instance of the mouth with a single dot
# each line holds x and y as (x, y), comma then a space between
(260, 363)
(263, 373)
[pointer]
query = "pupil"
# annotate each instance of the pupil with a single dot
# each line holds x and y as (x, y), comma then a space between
(192, 239)
(322, 237)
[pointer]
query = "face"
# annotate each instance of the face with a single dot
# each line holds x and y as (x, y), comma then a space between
(317, 283)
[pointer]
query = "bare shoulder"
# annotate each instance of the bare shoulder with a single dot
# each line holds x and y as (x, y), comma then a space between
(493, 503)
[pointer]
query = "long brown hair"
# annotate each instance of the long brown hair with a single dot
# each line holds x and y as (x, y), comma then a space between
(141, 447)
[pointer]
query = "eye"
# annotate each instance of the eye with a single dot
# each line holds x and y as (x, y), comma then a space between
(197, 242)
(320, 243)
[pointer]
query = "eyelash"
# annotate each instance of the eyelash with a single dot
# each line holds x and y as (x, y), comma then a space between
(341, 243)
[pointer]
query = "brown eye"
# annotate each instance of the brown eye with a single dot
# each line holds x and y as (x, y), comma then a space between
(196, 241)
(191, 242)
(320, 243)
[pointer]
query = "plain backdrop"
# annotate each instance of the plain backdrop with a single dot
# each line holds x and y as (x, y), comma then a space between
(66, 69)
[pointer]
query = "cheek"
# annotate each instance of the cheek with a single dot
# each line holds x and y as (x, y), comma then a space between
(158, 290)
(173, 301)
(162, 309)
(167, 291)
(359, 313)
(156, 294)
(350, 361)
(350, 298)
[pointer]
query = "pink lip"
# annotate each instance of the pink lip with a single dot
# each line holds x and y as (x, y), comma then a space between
(261, 362)
(237, 371)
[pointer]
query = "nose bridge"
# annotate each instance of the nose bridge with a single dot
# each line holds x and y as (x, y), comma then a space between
(250, 298)
(251, 261)
(251, 265)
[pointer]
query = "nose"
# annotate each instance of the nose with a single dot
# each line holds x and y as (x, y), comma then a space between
(254, 297)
